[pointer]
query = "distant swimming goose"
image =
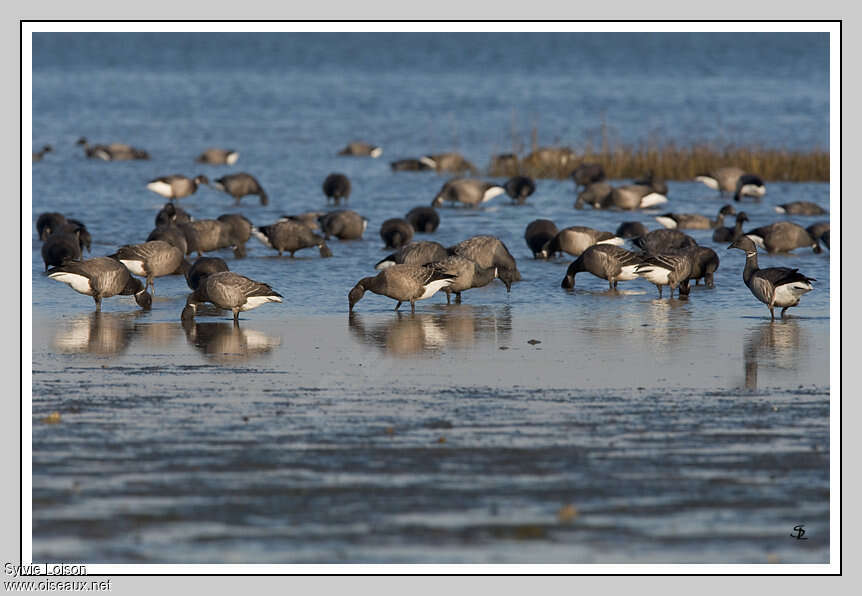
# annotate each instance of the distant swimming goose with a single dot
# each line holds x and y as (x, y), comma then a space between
(415, 253)
(358, 148)
(344, 224)
(468, 274)
(665, 270)
(172, 234)
(588, 173)
(112, 152)
(404, 283)
(651, 180)
(396, 232)
(336, 187)
(597, 195)
(631, 229)
(607, 261)
(176, 186)
(469, 191)
(229, 291)
(693, 221)
(820, 231)
(290, 236)
(423, 219)
(724, 234)
(774, 286)
(635, 196)
(538, 233)
(217, 156)
(449, 162)
(489, 251)
(38, 155)
(62, 246)
(783, 236)
(150, 259)
(240, 185)
(575, 240)
(203, 267)
(800, 208)
(659, 241)
(733, 179)
(100, 278)
(172, 214)
(412, 165)
(519, 188)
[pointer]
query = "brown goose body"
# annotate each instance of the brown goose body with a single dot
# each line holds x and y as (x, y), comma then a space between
(538, 233)
(176, 186)
(240, 185)
(336, 187)
(606, 261)
(100, 278)
(694, 221)
(230, 291)
(150, 259)
(634, 196)
(468, 191)
(171, 213)
(62, 246)
(659, 241)
(575, 240)
(396, 232)
(800, 208)
(290, 236)
(631, 229)
(588, 173)
(468, 274)
(783, 236)
(489, 251)
(344, 224)
(721, 179)
(519, 188)
(415, 253)
(671, 270)
(309, 218)
(549, 161)
(203, 267)
(597, 195)
(403, 283)
(423, 219)
(361, 149)
(820, 232)
(450, 162)
(216, 156)
(112, 152)
(172, 234)
(724, 234)
(239, 230)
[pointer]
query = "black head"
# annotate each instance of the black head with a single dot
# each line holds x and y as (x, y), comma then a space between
(727, 210)
(742, 216)
(744, 243)
(355, 295)
(144, 299)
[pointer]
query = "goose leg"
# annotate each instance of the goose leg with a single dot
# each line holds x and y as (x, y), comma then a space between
(151, 284)
(448, 296)
(783, 310)
(236, 316)
(611, 285)
(397, 306)
(659, 290)
(772, 313)
(98, 300)
(457, 297)
(412, 306)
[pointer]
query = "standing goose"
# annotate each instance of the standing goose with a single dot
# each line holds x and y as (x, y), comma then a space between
(423, 219)
(38, 155)
(489, 251)
(665, 270)
(62, 246)
(404, 283)
(606, 261)
(291, 236)
(724, 234)
(240, 185)
(360, 149)
(229, 291)
(238, 228)
(396, 232)
(774, 286)
(783, 236)
(172, 234)
(704, 263)
(100, 278)
(150, 259)
(468, 274)
(217, 156)
(176, 186)
(519, 188)
(538, 233)
(205, 235)
(112, 152)
(415, 253)
(635, 196)
(203, 267)
(469, 191)
(574, 240)
(336, 187)
(693, 221)
(800, 208)
(344, 224)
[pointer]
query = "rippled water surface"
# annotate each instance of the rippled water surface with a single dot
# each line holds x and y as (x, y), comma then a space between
(534, 426)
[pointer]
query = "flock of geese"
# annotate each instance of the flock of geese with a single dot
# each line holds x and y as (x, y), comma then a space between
(418, 270)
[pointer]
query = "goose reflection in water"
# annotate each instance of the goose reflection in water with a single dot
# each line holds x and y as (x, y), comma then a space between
(775, 344)
(409, 334)
(101, 333)
(228, 342)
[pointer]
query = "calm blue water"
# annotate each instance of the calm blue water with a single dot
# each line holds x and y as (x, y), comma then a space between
(308, 437)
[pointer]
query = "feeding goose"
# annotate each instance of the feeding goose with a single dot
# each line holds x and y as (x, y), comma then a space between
(783, 236)
(469, 274)
(171, 213)
(489, 251)
(665, 270)
(176, 186)
(587, 174)
(150, 259)
(635, 196)
(538, 233)
(820, 232)
(100, 278)
(415, 253)
(336, 187)
(203, 267)
(412, 165)
(240, 185)
(735, 180)
(800, 208)
(403, 283)
(423, 219)
(309, 218)
(229, 291)
(774, 286)
(63, 245)
(360, 149)
(291, 236)
(344, 224)
(449, 162)
(693, 221)
(658, 241)
(205, 235)
(216, 156)
(631, 229)
(468, 191)
(606, 261)
(519, 188)
(574, 240)
(396, 232)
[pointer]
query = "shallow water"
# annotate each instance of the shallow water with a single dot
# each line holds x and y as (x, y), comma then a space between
(679, 430)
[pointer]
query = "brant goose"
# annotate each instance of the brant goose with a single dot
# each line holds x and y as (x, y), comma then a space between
(631, 229)
(172, 214)
(538, 233)
(309, 218)
(150, 259)
(403, 283)
(172, 234)
(659, 241)
(597, 195)
(101, 277)
(504, 164)
(749, 185)
(412, 165)
(468, 274)
(587, 174)
(733, 179)
(61, 246)
(489, 251)
(47, 223)
(693, 221)
(450, 162)
(783, 236)
(291, 236)
(519, 188)
(344, 224)
(216, 156)
(205, 235)
(635, 196)
(415, 253)
(176, 186)
(724, 234)
(239, 229)
(201, 268)
(469, 191)
(240, 185)
(423, 219)
(336, 187)
(800, 208)
(606, 261)
(360, 149)
(820, 232)
(38, 155)
(704, 263)
(657, 184)
(576, 239)
(112, 152)
(396, 232)
(229, 291)
(666, 270)
(774, 286)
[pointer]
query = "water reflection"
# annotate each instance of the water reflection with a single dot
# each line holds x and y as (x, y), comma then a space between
(775, 344)
(228, 342)
(459, 326)
(102, 333)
